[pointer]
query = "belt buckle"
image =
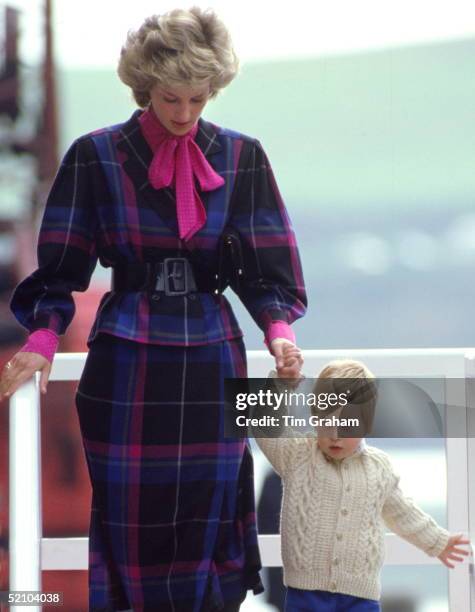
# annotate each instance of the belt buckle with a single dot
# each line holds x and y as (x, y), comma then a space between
(176, 273)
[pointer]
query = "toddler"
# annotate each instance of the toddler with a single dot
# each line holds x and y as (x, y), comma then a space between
(338, 495)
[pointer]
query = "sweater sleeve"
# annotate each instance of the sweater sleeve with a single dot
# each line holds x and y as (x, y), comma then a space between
(282, 452)
(271, 286)
(407, 520)
(66, 249)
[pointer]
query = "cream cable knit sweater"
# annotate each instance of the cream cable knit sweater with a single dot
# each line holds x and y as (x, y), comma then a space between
(333, 516)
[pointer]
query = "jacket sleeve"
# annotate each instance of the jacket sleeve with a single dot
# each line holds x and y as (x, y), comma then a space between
(271, 286)
(66, 248)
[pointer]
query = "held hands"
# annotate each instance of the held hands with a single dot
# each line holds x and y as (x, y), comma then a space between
(21, 368)
(288, 358)
(452, 551)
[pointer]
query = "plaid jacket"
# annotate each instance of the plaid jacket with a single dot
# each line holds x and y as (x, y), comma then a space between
(102, 206)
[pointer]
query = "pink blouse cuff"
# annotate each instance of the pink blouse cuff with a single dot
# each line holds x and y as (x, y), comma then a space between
(279, 329)
(42, 341)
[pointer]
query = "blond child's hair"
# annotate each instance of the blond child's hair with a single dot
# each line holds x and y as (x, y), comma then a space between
(353, 378)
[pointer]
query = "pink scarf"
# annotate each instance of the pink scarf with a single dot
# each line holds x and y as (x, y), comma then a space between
(177, 160)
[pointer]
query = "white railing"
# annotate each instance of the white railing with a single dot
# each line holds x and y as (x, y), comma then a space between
(30, 553)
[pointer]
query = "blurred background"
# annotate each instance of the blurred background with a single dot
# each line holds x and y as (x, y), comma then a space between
(366, 111)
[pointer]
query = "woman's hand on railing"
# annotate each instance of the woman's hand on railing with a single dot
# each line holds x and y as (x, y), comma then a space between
(21, 368)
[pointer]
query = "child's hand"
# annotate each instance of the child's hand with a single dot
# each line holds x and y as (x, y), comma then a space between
(289, 360)
(452, 552)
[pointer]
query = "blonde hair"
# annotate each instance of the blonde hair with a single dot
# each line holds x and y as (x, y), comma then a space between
(181, 47)
(359, 384)
(346, 368)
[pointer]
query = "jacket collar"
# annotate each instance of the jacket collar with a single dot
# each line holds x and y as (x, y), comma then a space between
(139, 155)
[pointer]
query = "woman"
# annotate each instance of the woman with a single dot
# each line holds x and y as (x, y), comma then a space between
(172, 518)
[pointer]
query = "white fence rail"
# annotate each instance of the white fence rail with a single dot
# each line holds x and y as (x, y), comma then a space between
(30, 553)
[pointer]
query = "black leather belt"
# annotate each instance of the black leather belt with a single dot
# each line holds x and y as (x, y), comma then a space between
(172, 276)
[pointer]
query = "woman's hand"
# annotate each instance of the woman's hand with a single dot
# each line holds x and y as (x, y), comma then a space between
(288, 358)
(452, 551)
(21, 368)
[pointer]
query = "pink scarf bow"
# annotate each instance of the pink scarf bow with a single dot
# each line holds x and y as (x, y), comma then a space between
(176, 161)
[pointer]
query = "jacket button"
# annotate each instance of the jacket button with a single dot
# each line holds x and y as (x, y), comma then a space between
(155, 297)
(344, 511)
(339, 536)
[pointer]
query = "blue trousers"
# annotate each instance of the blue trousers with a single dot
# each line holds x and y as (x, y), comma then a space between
(300, 600)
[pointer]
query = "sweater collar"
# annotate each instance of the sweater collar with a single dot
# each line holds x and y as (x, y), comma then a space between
(360, 450)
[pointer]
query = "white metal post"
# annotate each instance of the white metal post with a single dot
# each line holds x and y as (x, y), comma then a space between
(470, 391)
(25, 490)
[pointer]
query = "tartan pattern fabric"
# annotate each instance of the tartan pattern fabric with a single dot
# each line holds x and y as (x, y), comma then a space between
(173, 523)
(102, 206)
(172, 518)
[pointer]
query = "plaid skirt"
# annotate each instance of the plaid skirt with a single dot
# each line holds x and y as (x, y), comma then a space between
(173, 524)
